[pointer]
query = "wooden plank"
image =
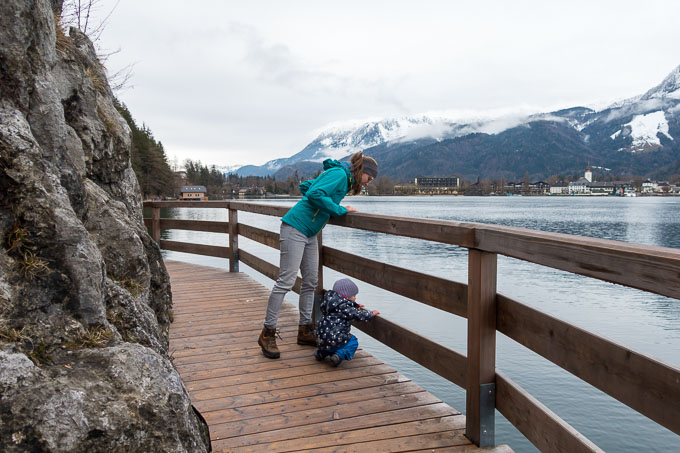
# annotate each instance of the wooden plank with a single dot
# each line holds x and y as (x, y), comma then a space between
(437, 292)
(645, 384)
(301, 418)
(257, 208)
(186, 368)
(194, 225)
(324, 401)
(196, 249)
(265, 237)
(466, 449)
(446, 362)
(401, 444)
(481, 346)
(256, 364)
(431, 425)
(331, 375)
(337, 426)
(447, 232)
(228, 333)
(547, 431)
(300, 371)
(155, 224)
(229, 357)
(224, 356)
(651, 268)
(300, 392)
(233, 240)
(187, 204)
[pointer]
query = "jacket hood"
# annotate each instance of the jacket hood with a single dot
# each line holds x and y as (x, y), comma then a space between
(331, 163)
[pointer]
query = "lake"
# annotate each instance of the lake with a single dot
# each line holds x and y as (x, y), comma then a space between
(642, 321)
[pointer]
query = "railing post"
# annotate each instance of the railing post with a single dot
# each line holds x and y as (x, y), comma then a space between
(233, 239)
(318, 294)
(481, 348)
(156, 224)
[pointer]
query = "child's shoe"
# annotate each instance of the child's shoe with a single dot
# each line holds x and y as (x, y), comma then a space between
(318, 356)
(335, 360)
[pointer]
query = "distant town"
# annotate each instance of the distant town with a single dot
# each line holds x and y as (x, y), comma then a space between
(265, 187)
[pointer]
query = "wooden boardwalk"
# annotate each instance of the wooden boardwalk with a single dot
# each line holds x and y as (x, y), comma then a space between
(255, 404)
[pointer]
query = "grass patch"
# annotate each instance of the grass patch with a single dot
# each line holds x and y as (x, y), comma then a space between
(13, 335)
(93, 337)
(119, 323)
(19, 246)
(98, 83)
(171, 315)
(17, 239)
(134, 287)
(32, 266)
(108, 123)
(39, 355)
(64, 45)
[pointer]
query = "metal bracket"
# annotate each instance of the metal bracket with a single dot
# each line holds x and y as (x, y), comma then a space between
(487, 415)
(236, 261)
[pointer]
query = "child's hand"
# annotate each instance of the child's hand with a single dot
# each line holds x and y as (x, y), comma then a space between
(375, 312)
(351, 209)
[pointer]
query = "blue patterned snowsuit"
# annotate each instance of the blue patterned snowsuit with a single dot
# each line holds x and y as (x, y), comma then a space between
(333, 331)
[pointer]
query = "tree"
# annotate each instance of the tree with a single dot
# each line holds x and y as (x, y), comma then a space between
(91, 17)
(525, 183)
(384, 185)
(148, 159)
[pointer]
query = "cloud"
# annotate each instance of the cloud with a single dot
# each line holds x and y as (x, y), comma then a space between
(276, 64)
(639, 108)
(437, 130)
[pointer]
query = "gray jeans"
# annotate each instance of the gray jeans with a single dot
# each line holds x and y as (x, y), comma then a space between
(297, 252)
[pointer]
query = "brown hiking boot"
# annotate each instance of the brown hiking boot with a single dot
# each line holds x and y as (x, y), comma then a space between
(306, 335)
(267, 342)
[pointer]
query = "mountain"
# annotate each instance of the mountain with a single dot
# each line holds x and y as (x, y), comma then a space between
(341, 140)
(226, 169)
(634, 136)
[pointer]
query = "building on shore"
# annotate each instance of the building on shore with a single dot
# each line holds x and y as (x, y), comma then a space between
(559, 188)
(430, 185)
(193, 193)
(523, 188)
(586, 186)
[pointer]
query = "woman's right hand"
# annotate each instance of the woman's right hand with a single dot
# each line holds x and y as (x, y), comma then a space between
(375, 312)
(351, 209)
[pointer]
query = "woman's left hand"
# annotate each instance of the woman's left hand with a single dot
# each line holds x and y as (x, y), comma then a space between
(351, 209)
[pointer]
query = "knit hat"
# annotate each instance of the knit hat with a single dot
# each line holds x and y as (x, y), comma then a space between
(346, 288)
(370, 167)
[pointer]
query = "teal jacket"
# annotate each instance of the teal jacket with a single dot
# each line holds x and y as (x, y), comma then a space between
(321, 198)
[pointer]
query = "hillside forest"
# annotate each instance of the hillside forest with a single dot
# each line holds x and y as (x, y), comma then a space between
(159, 180)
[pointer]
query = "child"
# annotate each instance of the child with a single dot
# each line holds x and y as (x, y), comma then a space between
(339, 308)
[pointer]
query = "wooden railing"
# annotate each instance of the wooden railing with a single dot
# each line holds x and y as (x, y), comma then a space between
(643, 383)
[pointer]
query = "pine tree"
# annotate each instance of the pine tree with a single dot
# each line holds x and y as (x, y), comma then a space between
(148, 159)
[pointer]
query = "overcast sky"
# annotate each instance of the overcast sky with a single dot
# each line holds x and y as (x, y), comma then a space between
(244, 82)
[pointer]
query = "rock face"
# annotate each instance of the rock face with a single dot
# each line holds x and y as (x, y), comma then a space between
(84, 294)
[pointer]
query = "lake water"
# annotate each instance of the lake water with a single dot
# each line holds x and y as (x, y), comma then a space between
(642, 321)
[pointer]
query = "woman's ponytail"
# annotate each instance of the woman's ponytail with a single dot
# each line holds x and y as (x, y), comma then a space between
(357, 161)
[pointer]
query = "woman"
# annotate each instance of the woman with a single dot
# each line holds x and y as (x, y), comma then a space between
(299, 245)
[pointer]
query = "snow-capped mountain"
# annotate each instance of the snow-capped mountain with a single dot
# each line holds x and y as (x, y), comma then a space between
(226, 169)
(638, 135)
(341, 140)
